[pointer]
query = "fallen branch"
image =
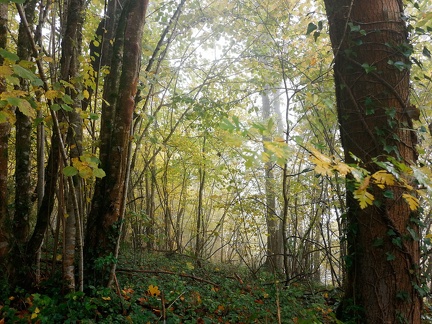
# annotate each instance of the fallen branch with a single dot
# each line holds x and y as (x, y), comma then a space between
(169, 273)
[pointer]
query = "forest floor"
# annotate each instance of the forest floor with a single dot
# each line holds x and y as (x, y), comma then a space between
(172, 289)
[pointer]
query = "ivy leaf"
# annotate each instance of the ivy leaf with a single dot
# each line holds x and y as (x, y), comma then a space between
(390, 256)
(388, 194)
(413, 233)
(310, 28)
(412, 201)
(368, 68)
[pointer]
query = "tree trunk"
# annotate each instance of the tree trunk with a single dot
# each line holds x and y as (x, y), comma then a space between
(199, 242)
(107, 204)
(369, 39)
(71, 49)
(4, 147)
(23, 188)
(274, 259)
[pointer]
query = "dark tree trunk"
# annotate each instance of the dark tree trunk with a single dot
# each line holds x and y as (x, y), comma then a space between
(23, 189)
(107, 204)
(373, 110)
(4, 147)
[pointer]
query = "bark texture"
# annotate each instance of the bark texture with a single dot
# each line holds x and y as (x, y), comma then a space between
(107, 204)
(71, 49)
(4, 146)
(371, 48)
(23, 185)
(274, 260)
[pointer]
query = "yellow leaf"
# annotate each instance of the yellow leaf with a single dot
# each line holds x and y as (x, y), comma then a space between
(25, 107)
(365, 184)
(322, 163)
(342, 168)
(153, 291)
(382, 178)
(5, 70)
(106, 298)
(52, 94)
(86, 94)
(35, 313)
(363, 197)
(59, 257)
(412, 201)
(428, 236)
(48, 59)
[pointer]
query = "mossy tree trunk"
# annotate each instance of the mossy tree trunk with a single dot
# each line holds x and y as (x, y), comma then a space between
(372, 70)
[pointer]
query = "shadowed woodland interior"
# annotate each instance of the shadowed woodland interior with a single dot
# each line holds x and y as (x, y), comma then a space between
(215, 162)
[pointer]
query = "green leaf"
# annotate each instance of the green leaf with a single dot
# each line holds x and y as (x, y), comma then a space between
(66, 107)
(388, 194)
(390, 256)
(391, 232)
(6, 54)
(99, 173)
(310, 28)
(55, 107)
(413, 233)
(70, 171)
(378, 242)
(3, 117)
(24, 73)
(67, 99)
(94, 116)
(13, 1)
(23, 106)
(368, 68)
(397, 241)
(426, 52)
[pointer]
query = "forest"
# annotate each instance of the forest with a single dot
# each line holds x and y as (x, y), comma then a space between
(201, 161)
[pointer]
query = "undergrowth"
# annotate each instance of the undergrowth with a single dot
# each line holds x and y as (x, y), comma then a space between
(172, 289)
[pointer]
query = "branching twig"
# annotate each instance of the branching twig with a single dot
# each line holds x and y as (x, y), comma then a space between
(169, 273)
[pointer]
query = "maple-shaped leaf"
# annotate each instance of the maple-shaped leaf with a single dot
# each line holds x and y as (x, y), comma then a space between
(153, 291)
(323, 164)
(383, 178)
(363, 197)
(342, 168)
(412, 201)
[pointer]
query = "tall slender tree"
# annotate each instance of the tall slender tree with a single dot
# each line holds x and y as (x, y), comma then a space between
(4, 145)
(372, 73)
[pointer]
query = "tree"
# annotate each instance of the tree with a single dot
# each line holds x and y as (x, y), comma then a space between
(104, 220)
(371, 71)
(4, 147)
